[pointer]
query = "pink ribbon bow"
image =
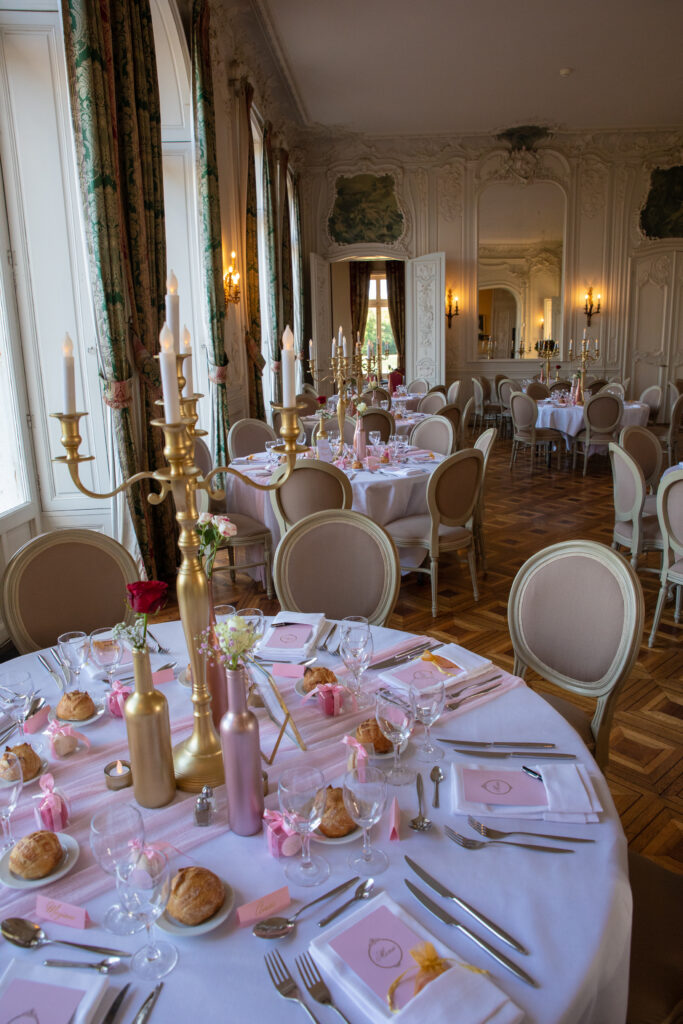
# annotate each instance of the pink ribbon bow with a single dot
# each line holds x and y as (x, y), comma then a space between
(55, 730)
(116, 698)
(361, 754)
(53, 811)
(282, 840)
(329, 696)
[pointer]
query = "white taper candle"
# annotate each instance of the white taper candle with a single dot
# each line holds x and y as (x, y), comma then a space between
(173, 310)
(288, 387)
(169, 376)
(68, 375)
(188, 390)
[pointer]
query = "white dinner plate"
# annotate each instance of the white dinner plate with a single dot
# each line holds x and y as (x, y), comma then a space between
(43, 769)
(189, 931)
(317, 837)
(71, 851)
(76, 723)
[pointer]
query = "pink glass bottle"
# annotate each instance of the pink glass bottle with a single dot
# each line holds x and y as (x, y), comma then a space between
(241, 759)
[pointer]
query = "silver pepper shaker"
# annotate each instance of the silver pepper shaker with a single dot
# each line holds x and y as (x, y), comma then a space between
(202, 811)
(207, 792)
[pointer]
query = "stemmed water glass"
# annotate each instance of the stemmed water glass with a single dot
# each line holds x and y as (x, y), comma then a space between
(144, 892)
(375, 438)
(10, 790)
(429, 702)
(106, 650)
(273, 457)
(74, 648)
(365, 797)
(356, 648)
(16, 693)
(395, 446)
(254, 617)
(395, 714)
(117, 833)
(302, 793)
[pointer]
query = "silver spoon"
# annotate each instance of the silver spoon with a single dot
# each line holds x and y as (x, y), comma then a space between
(420, 823)
(102, 966)
(277, 927)
(30, 936)
(437, 776)
(363, 892)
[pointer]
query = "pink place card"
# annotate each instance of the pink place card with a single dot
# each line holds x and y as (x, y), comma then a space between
(164, 675)
(287, 637)
(61, 913)
(286, 670)
(377, 949)
(31, 1001)
(263, 907)
(38, 721)
(394, 820)
(501, 786)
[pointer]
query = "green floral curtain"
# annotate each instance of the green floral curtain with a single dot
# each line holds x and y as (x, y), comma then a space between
(112, 76)
(396, 300)
(359, 284)
(299, 312)
(210, 223)
(272, 258)
(255, 360)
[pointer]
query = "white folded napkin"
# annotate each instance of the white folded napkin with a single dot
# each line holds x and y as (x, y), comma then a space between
(459, 996)
(570, 795)
(407, 471)
(93, 985)
(278, 653)
(472, 666)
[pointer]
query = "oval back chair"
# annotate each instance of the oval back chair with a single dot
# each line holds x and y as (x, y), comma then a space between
(538, 391)
(670, 516)
(373, 396)
(602, 415)
(643, 446)
(524, 413)
(248, 436)
(465, 421)
(310, 403)
(613, 389)
(379, 419)
(594, 588)
(437, 387)
(452, 413)
(668, 434)
(453, 392)
(478, 396)
(484, 443)
(419, 386)
(432, 403)
(338, 562)
(434, 434)
(313, 486)
(652, 397)
(91, 571)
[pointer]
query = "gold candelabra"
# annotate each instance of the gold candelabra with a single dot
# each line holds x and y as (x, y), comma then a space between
(490, 348)
(585, 357)
(547, 349)
(341, 367)
(197, 759)
(363, 369)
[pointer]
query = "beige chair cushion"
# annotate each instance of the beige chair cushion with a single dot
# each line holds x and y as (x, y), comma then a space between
(650, 506)
(416, 530)
(542, 434)
(649, 528)
(577, 718)
(246, 527)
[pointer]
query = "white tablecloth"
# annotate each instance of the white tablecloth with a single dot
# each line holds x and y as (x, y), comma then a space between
(569, 418)
(572, 912)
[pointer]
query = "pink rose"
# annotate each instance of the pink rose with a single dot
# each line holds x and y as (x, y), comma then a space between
(226, 527)
(204, 518)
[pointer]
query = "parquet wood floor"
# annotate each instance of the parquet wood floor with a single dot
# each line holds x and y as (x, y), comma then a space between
(524, 513)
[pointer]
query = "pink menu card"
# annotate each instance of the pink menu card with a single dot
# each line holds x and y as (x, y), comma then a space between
(287, 637)
(36, 1001)
(502, 786)
(424, 673)
(377, 949)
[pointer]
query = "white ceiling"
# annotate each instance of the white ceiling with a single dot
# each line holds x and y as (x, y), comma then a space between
(395, 67)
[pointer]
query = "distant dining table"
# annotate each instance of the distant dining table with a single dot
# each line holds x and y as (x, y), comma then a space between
(568, 419)
(571, 912)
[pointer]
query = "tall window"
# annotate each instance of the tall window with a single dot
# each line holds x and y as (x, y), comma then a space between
(13, 483)
(378, 324)
(263, 269)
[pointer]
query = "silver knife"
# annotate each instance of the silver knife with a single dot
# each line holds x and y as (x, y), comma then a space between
(498, 743)
(46, 665)
(443, 891)
(115, 1006)
(148, 1005)
(400, 659)
(516, 753)
(447, 918)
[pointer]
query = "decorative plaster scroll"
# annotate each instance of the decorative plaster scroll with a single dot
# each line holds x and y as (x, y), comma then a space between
(450, 189)
(593, 188)
(658, 271)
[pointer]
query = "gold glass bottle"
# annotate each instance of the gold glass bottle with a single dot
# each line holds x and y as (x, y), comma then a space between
(149, 738)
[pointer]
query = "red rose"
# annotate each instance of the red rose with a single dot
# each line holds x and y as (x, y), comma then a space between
(147, 597)
(321, 399)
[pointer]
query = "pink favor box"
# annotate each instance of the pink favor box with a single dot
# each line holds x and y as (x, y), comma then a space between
(280, 843)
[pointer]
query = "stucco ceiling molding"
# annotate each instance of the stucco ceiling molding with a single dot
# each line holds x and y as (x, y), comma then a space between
(593, 187)
(449, 181)
(548, 165)
(657, 271)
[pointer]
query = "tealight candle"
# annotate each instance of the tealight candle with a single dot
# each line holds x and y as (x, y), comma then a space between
(118, 775)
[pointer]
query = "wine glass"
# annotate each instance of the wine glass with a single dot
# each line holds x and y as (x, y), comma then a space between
(356, 649)
(74, 648)
(429, 702)
(254, 617)
(302, 793)
(10, 790)
(223, 612)
(365, 797)
(107, 650)
(16, 694)
(273, 457)
(117, 832)
(375, 438)
(395, 714)
(144, 892)
(395, 446)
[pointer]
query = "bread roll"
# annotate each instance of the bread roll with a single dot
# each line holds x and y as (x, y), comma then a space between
(76, 706)
(30, 762)
(36, 855)
(369, 732)
(196, 895)
(318, 676)
(336, 819)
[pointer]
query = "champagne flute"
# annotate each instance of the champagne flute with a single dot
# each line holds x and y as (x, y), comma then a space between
(365, 797)
(74, 648)
(302, 794)
(144, 892)
(10, 791)
(395, 715)
(107, 650)
(117, 832)
(429, 702)
(356, 648)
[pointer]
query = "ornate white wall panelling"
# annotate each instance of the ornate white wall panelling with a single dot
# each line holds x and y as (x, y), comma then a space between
(655, 316)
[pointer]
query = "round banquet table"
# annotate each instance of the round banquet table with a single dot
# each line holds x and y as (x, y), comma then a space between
(571, 912)
(404, 424)
(569, 418)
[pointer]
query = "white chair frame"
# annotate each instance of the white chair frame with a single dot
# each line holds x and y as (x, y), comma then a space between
(672, 553)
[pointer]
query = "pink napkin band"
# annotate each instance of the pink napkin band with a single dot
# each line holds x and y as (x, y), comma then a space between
(54, 729)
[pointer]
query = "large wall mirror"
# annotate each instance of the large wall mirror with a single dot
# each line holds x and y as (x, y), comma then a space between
(520, 269)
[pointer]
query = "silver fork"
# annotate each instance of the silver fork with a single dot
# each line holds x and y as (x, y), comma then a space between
(494, 833)
(477, 844)
(160, 648)
(284, 982)
(312, 979)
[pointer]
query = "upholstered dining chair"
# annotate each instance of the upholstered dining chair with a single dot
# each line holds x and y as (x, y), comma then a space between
(602, 415)
(560, 385)
(419, 386)
(484, 444)
(497, 381)
(453, 392)
(632, 528)
(434, 434)
(308, 389)
(438, 387)
(309, 402)
(379, 419)
(373, 396)
(478, 397)
(338, 562)
(452, 494)
(613, 389)
(586, 584)
(670, 517)
(537, 390)
(250, 532)
(248, 436)
(672, 394)
(642, 445)
(505, 389)
(432, 403)
(66, 579)
(465, 421)
(452, 413)
(313, 486)
(652, 397)
(525, 433)
(669, 434)
(596, 384)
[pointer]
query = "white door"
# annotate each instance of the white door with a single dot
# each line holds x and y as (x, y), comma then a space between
(425, 318)
(321, 312)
